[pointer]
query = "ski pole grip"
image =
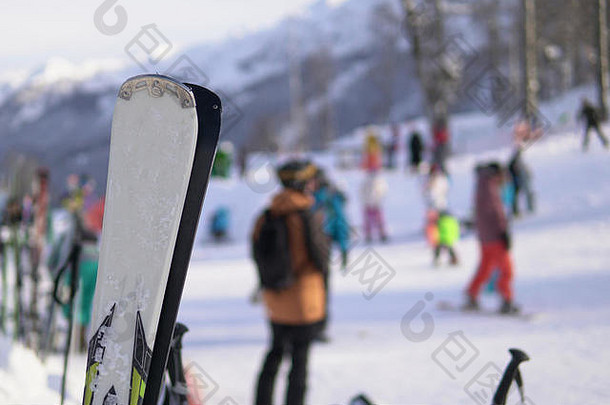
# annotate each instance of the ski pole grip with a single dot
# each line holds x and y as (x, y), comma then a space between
(518, 357)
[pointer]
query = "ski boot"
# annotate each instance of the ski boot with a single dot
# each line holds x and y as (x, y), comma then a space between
(509, 308)
(471, 304)
(344, 260)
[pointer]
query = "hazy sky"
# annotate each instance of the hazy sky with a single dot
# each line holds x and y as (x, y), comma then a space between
(35, 30)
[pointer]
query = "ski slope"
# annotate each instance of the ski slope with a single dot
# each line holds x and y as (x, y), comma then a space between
(562, 276)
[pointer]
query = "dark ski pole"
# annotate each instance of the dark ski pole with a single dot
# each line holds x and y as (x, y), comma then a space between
(4, 286)
(361, 400)
(511, 374)
(72, 263)
(176, 390)
(18, 326)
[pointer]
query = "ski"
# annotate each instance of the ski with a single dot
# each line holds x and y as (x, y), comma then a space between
(163, 142)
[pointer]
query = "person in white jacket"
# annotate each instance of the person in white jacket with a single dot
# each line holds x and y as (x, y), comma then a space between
(373, 191)
(437, 190)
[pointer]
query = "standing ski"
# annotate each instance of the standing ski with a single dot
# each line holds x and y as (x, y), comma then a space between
(164, 136)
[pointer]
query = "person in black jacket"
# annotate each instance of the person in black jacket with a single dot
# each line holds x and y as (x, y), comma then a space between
(416, 148)
(589, 114)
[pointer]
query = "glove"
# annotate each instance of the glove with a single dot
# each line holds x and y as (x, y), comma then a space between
(506, 240)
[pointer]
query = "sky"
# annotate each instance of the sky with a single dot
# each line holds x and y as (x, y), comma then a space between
(33, 31)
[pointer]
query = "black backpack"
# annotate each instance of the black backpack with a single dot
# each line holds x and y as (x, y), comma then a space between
(271, 251)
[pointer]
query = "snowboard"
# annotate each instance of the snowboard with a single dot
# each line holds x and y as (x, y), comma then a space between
(163, 142)
(447, 306)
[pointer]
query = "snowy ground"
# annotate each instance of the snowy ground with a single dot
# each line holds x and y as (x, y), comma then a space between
(562, 276)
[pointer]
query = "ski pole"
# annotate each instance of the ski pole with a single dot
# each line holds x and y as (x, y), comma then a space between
(361, 400)
(511, 374)
(73, 263)
(178, 387)
(4, 286)
(18, 283)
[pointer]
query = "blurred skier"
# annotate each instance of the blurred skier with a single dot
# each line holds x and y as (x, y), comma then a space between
(73, 195)
(94, 216)
(416, 149)
(87, 224)
(521, 182)
(219, 226)
(371, 161)
(440, 134)
(332, 203)
(494, 238)
(508, 194)
(87, 187)
(448, 234)
(392, 147)
(87, 267)
(291, 253)
(431, 228)
(590, 115)
(436, 189)
(373, 191)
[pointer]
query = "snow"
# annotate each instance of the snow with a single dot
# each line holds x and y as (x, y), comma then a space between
(22, 376)
(562, 275)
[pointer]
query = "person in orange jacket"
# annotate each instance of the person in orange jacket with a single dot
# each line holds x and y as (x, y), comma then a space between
(493, 233)
(297, 310)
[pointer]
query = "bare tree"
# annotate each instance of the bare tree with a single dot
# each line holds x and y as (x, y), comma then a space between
(321, 71)
(602, 57)
(384, 26)
(530, 59)
(439, 76)
(264, 135)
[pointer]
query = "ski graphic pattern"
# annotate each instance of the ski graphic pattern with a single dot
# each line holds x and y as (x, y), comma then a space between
(140, 364)
(95, 356)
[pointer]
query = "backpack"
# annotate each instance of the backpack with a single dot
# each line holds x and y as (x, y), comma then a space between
(271, 251)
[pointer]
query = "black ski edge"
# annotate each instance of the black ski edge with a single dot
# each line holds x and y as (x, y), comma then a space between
(209, 108)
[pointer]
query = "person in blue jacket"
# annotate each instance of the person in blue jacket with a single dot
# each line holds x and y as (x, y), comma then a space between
(332, 203)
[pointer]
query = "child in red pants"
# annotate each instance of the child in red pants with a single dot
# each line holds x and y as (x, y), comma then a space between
(492, 230)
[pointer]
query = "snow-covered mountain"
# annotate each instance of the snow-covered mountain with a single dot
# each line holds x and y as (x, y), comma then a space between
(354, 51)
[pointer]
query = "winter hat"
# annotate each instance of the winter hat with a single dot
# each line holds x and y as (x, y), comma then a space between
(494, 168)
(295, 174)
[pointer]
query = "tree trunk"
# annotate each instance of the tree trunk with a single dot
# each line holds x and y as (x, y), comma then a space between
(531, 84)
(602, 58)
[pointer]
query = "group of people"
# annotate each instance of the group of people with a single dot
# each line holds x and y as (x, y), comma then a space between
(291, 246)
(312, 211)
